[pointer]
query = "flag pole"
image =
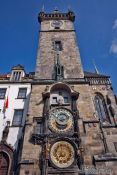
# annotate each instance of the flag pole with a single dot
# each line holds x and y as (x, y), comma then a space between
(6, 102)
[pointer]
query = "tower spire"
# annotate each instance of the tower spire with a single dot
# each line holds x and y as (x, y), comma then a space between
(69, 8)
(43, 8)
(95, 67)
(56, 10)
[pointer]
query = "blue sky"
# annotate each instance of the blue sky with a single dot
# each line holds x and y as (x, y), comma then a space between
(96, 27)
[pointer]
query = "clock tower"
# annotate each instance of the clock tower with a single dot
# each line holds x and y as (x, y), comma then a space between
(69, 110)
(58, 47)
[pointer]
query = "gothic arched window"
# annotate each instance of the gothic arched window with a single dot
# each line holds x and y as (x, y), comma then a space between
(101, 109)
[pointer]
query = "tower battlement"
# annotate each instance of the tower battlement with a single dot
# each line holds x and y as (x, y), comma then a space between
(56, 15)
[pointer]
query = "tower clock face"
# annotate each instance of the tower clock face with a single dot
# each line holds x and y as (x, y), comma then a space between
(62, 154)
(60, 120)
(56, 24)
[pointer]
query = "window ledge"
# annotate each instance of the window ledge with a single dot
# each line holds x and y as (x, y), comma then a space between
(109, 126)
(13, 126)
(57, 104)
(20, 98)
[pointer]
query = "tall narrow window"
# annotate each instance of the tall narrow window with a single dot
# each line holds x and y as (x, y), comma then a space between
(16, 76)
(58, 71)
(54, 100)
(101, 108)
(22, 92)
(66, 100)
(115, 144)
(38, 127)
(60, 92)
(58, 46)
(2, 93)
(17, 119)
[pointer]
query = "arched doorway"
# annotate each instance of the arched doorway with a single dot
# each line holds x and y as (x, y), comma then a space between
(4, 163)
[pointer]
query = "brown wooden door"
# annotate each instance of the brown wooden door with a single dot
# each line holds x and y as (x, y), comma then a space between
(4, 163)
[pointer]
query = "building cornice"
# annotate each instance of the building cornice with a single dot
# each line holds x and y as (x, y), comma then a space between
(57, 31)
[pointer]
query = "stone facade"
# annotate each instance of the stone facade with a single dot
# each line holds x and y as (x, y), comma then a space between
(93, 133)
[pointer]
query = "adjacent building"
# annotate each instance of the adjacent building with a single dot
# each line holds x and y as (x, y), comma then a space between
(15, 91)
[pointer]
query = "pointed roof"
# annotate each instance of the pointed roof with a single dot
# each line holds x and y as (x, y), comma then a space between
(95, 75)
(18, 67)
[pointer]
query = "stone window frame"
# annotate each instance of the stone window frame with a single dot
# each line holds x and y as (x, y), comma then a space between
(58, 45)
(66, 99)
(102, 107)
(38, 125)
(54, 100)
(60, 97)
(15, 116)
(16, 76)
(56, 39)
(22, 95)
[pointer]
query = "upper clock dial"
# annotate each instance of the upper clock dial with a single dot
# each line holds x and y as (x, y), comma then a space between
(56, 24)
(60, 120)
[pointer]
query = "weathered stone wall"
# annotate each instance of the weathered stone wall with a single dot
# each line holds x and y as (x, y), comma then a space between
(31, 151)
(92, 136)
(97, 140)
(89, 126)
(36, 102)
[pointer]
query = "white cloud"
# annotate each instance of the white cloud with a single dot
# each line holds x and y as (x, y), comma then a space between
(113, 48)
(115, 25)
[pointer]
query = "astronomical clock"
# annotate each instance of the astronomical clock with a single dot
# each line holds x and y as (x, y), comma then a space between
(62, 150)
(61, 121)
(62, 154)
(62, 142)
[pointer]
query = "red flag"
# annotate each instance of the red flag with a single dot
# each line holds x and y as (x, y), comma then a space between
(6, 103)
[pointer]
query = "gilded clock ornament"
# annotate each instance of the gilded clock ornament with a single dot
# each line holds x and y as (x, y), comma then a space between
(60, 120)
(62, 154)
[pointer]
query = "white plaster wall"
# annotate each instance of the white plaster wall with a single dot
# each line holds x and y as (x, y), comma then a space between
(12, 92)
